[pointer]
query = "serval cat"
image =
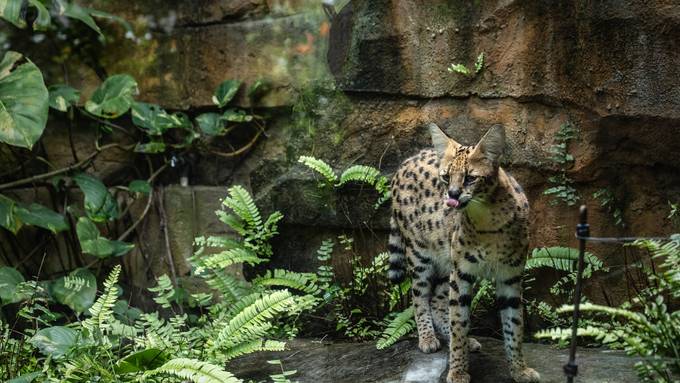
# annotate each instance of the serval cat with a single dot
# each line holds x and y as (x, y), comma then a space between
(458, 216)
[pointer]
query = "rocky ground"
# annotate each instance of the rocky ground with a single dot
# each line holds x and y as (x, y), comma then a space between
(320, 362)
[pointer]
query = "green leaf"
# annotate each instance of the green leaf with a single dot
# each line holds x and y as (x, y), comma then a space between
(114, 97)
(225, 92)
(150, 147)
(62, 97)
(210, 124)
(154, 120)
(258, 89)
(8, 218)
(43, 20)
(75, 11)
(195, 371)
(99, 203)
(77, 290)
(10, 10)
(10, 278)
(236, 115)
(26, 378)
(459, 68)
(39, 215)
(91, 241)
(140, 186)
(143, 360)
(55, 341)
(23, 101)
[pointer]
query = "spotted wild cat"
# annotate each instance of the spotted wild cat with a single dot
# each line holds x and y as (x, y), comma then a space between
(458, 216)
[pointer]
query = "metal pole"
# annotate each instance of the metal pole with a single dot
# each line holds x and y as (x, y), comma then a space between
(582, 233)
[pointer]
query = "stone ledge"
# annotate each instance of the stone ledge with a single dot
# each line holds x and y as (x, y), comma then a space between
(403, 363)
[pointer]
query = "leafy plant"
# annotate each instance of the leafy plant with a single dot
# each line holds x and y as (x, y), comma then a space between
(562, 188)
(609, 202)
(645, 327)
(462, 69)
(356, 173)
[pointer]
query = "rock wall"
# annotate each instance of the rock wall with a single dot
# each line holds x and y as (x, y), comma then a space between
(358, 86)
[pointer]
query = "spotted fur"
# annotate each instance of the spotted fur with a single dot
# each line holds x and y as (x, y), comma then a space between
(458, 216)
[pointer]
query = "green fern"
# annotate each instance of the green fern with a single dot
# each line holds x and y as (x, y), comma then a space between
(194, 370)
(253, 346)
(305, 282)
(368, 175)
(401, 325)
(242, 204)
(563, 334)
(230, 257)
(253, 321)
(325, 272)
(164, 292)
(330, 178)
(561, 258)
(102, 309)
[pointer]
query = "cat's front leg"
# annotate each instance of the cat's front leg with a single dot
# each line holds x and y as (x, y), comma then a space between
(460, 298)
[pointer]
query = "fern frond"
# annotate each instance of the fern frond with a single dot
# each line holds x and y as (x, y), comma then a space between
(560, 258)
(562, 334)
(305, 282)
(102, 309)
(194, 370)
(164, 292)
(243, 205)
(320, 167)
(228, 257)
(230, 288)
(401, 325)
(359, 173)
(254, 318)
(613, 311)
(251, 347)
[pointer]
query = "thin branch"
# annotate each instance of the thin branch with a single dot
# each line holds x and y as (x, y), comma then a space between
(84, 162)
(138, 220)
(239, 151)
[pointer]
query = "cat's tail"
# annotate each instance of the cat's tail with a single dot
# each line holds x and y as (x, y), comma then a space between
(397, 270)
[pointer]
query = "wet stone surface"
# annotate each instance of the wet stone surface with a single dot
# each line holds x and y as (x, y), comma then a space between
(318, 362)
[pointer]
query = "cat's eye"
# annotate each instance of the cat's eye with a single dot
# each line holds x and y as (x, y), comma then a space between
(469, 179)
(444, 177)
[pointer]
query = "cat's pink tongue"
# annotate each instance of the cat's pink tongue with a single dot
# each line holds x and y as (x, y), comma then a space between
(452, 202)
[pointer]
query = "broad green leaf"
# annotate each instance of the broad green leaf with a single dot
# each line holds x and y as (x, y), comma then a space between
(258, 89)
(55, 341)
(39, 215)
(150, 147)
(99, 203)
(63, 96)
(109, 16)
(91, 241)
(75, 11)
(43, 20)
(140, 186)
(236, 115)
(143, 360)
(113, 97)
(10, 10)
(78, 290)
(10, 278)
(8, 218)
(210, 124)
(23, 102)
(154, 120)
(26, 378)
(225, 92)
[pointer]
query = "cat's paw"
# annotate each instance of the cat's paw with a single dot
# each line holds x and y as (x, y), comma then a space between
(474, 345)
(526, 375)
(459, 377)
(429, 344)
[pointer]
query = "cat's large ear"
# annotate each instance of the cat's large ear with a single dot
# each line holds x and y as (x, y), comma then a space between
(440, 140)
(492, 144)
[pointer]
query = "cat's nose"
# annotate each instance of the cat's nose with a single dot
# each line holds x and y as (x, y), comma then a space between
(454, 193)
